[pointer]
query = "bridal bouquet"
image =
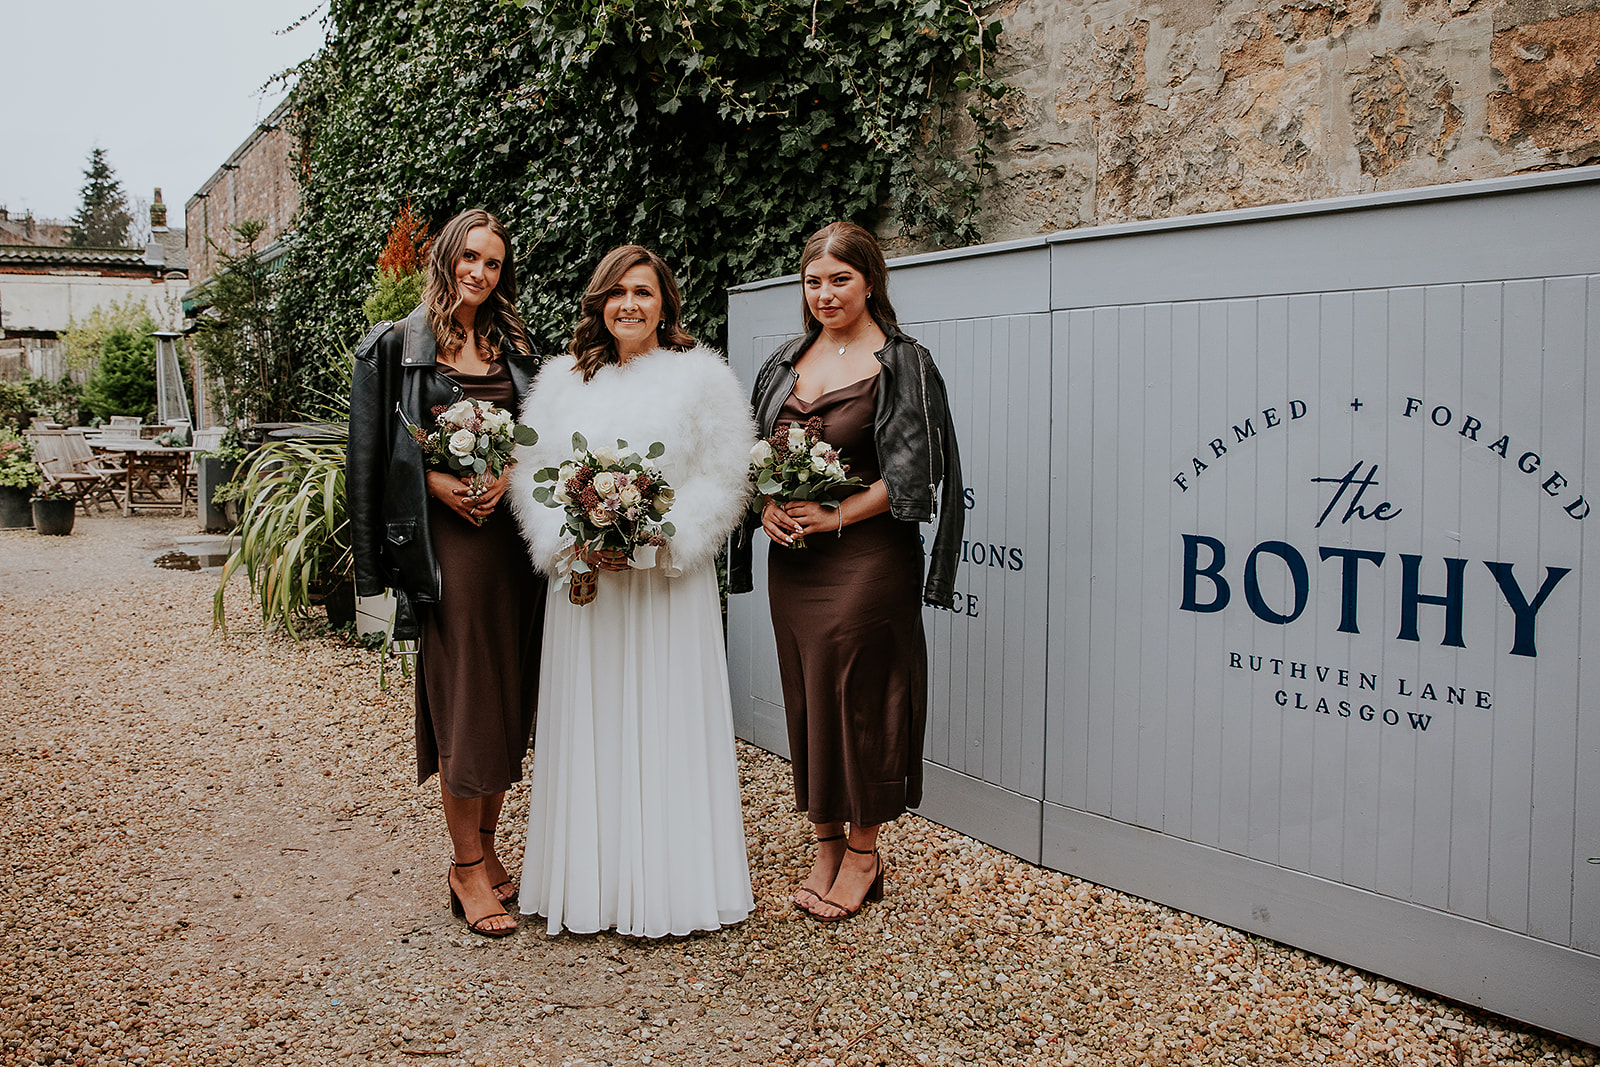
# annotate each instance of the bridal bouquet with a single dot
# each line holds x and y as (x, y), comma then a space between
(472, 440)
(796, 464)
(614, 499)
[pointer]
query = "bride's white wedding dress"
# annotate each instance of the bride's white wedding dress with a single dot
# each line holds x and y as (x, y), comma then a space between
(634, 812)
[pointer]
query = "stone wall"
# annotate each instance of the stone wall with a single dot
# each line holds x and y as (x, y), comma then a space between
(1141, 109)
(256, 182)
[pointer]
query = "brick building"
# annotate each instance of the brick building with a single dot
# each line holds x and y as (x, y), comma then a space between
(255, 182)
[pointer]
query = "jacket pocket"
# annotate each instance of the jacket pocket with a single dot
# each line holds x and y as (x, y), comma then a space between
(403, 533)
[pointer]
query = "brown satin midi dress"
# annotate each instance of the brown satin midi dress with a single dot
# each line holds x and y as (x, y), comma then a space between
(847, 612)
(478, 667)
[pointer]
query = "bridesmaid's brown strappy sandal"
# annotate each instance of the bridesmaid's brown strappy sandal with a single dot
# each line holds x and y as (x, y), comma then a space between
(474, 925)
(807, 889)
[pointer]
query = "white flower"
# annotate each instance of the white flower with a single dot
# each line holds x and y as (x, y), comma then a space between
(601, 517)
(605, 483)
(819, 464)
(761, 453)
(628, 494)
(836, 469)
(797, 436)
(821, 448)
(462, 442)
(458, 413)
(605, 456)
(664, 498)
(560, 494)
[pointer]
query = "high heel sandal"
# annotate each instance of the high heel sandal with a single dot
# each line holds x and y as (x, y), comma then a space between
(807, 889)
(874, 891)
(460, 912)
(510, 897)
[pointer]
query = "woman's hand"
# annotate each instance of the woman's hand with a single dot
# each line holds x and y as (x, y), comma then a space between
(606, 559)
(779, 525)
(785, 523)
(459, 496)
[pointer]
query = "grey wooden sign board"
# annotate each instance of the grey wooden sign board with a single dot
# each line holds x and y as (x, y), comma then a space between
(1273, 602)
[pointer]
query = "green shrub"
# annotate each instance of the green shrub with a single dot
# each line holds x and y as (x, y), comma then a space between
(124, 382)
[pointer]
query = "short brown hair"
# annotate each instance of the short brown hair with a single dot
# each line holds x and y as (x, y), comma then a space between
(853, 245)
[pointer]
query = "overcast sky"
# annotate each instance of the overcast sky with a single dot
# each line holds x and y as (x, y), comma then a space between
(169, 88)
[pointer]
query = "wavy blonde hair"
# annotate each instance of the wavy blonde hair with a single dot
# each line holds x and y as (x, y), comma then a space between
(497, 324)
(592, 344)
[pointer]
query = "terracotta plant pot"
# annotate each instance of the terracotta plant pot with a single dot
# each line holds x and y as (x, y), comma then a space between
(54, 516)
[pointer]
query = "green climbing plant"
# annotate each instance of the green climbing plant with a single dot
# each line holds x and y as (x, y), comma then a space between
(721, 133)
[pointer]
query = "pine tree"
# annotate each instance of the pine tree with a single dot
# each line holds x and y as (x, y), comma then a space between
(102, 220)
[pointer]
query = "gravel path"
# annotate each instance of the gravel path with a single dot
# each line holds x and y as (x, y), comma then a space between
(215, 853)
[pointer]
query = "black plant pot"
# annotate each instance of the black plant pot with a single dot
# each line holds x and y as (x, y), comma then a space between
(340, 601)
(15, 514)
(215, 473)
(54, 516)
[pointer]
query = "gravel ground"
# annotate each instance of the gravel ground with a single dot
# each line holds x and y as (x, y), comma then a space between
(215, 853)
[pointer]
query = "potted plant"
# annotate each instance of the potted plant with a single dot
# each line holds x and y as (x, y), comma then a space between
(216, 490)
(18, 477)
(294, 538)
(53, 511)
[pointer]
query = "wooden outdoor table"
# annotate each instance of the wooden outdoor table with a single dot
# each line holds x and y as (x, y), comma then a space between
(144, 463)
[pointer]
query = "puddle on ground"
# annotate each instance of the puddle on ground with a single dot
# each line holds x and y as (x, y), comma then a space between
(182, 561)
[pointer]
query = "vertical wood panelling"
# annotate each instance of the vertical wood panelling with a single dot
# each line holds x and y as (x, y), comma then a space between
(1186, 733)
(1071, 579)
(1586, 786)
(1511, 780)
(1322, 331)
(1554, 726)
(1153, 542)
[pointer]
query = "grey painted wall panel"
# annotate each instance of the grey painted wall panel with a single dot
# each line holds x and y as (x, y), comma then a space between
(1205, 403)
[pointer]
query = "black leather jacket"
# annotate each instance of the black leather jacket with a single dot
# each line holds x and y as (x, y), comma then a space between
(916, 451)
(395, 386)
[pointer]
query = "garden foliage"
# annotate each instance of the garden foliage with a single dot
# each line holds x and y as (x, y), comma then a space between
(124, 381)
(721, 133)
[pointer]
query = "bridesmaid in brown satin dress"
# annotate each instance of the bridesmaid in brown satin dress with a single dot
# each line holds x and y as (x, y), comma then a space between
(846, 607)
(480, 605)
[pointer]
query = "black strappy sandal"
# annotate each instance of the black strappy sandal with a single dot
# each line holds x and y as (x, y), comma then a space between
(874, 892)
(474, 924)
(807, 889)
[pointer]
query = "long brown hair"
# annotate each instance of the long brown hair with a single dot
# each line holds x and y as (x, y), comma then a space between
(592, 344)
(855, 246)
(497, 324)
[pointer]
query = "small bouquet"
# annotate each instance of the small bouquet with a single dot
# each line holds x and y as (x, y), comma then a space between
(614, 499)
(796, 464)
(473, 441)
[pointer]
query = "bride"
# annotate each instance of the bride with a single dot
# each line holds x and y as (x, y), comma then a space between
(634, 820)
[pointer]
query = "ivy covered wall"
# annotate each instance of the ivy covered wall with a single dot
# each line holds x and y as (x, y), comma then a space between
(719, 132)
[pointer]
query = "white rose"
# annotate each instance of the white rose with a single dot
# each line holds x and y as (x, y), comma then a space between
(458, 413)
(567, 471)
(761, 453)
(819, 464)
(462, 442)
(605, 455)
(560, 494)
(605, 483)
(629, 495)
(664, 498)
(820, 448)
